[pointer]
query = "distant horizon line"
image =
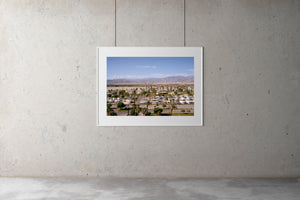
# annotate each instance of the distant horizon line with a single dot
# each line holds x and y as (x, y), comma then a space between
(151, 77)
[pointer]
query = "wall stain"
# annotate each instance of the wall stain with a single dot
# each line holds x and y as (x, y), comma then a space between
(77, 69)
(63, 127)
(286, 131)
(226, 99)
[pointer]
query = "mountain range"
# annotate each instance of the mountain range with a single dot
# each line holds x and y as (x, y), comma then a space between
(169, 79)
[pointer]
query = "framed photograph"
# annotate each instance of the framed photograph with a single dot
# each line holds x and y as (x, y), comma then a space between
(150, 86)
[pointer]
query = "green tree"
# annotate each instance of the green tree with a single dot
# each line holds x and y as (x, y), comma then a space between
(148, 114)
(109, 110)
(173, 106)
(120, 105)
(138, 109)
(157, 111)
(132, 112)
(144, 111)
(112, 113)
(147, 104)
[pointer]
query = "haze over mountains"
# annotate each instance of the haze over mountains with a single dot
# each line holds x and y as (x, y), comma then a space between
(169, 79)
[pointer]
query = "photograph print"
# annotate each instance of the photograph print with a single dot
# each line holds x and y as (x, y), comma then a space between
(150, 86)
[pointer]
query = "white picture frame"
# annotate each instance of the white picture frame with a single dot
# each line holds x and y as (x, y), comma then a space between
(110, 52)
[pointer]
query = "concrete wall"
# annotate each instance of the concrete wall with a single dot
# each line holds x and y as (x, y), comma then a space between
(48, 90)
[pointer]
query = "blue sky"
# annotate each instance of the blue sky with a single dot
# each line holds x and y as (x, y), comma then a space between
(148, 67)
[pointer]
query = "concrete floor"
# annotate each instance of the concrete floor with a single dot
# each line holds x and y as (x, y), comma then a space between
(146, 189)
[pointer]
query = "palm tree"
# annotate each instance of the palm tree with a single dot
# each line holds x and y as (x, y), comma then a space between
(147, 104)
(138, 109)
(173, 106)
(134, 100)
(144, 111)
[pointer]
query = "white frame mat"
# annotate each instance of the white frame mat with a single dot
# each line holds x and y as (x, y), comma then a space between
(104, 120)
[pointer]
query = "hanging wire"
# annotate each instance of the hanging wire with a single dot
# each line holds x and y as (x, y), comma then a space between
(184, 42)
(115, 22)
